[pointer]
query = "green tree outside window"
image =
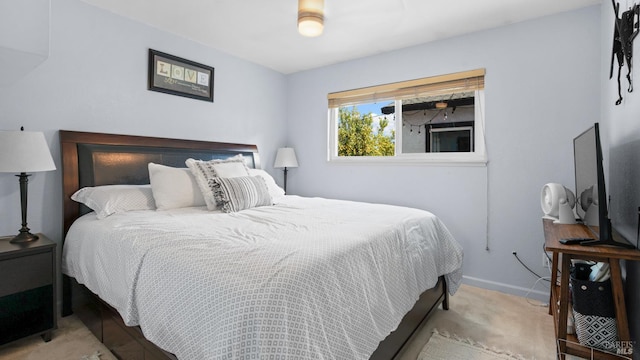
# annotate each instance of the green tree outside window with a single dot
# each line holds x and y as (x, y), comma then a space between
(357, 137)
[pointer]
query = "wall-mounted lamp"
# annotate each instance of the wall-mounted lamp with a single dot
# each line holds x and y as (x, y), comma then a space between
(285, 158)
(441, 105)
(310, 17)
(22, 152)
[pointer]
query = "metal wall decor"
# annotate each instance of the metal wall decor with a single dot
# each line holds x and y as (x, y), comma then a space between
(624, 32)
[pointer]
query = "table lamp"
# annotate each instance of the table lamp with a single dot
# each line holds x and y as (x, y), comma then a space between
(22, 152)
(286, 158)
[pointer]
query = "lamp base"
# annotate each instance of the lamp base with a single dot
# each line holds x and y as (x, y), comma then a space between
(24, 237)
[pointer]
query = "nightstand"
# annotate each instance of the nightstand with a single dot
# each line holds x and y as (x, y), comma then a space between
(559, 298)
(27, 289)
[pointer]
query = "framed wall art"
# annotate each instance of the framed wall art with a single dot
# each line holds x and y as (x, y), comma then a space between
(173, 75)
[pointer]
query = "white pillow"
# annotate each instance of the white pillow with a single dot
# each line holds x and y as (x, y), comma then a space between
(174, 187)
(274, 190)
(111, 199)
(206, 171)
(240, 193)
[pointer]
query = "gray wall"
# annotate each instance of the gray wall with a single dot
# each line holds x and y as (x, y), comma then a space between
(95, 79)
(539, 95)
(622, 126)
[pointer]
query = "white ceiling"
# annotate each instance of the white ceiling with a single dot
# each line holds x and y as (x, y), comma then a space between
(264, 31)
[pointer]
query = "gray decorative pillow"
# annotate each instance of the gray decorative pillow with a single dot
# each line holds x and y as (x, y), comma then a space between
(240, 193)
(274, 190)
(206, 171)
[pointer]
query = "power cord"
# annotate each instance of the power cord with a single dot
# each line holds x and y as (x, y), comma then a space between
(539, 278)
(528, 268)
(541, 304)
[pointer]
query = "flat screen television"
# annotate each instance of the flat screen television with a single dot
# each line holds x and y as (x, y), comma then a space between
(591, 193)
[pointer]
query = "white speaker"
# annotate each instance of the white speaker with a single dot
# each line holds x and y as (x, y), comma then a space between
(557, 203)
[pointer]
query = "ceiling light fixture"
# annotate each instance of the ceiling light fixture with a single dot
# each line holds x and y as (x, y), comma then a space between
(310, 17)
(441, 105)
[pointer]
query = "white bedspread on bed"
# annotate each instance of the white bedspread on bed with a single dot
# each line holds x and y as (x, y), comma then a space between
(308, 278)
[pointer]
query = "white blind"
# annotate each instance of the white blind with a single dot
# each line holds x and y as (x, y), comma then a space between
(436, 85)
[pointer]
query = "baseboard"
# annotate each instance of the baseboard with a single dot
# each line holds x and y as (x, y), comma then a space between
(534, 294)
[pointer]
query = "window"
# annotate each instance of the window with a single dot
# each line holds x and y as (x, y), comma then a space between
(451, 139)
(441, 119)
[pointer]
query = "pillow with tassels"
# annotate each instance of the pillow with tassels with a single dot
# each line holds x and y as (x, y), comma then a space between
(240, 193)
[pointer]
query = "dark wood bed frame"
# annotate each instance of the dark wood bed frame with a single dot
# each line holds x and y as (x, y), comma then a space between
(91, 159)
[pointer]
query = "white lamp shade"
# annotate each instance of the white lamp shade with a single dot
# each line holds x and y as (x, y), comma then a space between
(286, 157)
(310, 26)
(24, 151)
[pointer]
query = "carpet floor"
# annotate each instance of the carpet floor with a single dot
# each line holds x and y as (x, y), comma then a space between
(444, 346)
(71, 341)
(495, 319)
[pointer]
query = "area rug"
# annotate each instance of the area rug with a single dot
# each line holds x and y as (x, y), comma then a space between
(445, 346)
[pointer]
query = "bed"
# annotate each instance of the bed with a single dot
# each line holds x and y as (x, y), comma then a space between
(307, 317)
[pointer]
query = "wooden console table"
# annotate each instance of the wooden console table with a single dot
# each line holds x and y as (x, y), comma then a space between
(559, 301)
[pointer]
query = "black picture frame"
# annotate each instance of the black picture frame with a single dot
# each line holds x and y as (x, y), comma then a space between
(170, 74)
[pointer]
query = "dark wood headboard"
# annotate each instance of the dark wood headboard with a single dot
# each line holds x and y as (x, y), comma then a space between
(91, 159)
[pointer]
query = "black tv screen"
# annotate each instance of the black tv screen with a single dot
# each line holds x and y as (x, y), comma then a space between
(591, 193)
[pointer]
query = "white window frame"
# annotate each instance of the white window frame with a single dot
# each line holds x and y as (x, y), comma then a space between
(476, 158)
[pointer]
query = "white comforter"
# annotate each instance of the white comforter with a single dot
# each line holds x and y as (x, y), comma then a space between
(308, 278)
